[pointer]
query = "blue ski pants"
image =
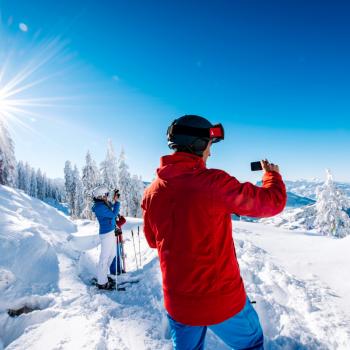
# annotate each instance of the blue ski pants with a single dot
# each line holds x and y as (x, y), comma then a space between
(242, 331)
(116, 266)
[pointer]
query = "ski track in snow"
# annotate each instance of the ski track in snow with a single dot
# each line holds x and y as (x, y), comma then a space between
(72, 314)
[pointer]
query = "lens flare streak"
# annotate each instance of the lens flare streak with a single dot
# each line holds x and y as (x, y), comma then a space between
(27, 74)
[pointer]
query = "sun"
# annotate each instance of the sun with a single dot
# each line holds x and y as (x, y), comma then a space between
(27, 74)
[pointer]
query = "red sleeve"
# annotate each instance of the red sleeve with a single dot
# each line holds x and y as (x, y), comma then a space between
(150, 237)
(249, 200)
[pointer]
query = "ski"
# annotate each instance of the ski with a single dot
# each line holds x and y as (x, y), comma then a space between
(120, 286)
(128, 282)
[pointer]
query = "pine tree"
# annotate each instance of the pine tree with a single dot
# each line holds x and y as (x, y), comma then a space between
(331, 203)
(137, 189)
(90, 179)
(27, 178)
(40, 184)
(77, 192)
(124, 184)
(33, 184)
(68, 184)
(44, 189)
(20, 176)
(7, 157)
(109, 170)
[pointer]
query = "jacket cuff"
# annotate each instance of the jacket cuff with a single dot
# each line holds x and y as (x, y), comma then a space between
(272, 174)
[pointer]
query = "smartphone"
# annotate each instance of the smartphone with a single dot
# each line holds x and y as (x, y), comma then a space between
(255, 166)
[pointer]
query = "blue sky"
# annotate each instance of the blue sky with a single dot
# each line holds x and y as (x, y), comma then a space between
(275, 73)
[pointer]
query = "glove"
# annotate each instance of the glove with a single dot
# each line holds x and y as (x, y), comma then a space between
(120, 221)
(118, 231)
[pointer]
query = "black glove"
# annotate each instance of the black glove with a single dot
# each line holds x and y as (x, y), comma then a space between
(118, 231)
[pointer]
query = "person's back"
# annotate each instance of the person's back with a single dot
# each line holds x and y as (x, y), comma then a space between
(187, 214)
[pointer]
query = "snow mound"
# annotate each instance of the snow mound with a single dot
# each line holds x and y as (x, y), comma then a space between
(31, 233)
(294, 314)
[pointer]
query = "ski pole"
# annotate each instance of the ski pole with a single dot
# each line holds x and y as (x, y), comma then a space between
(138, 235)
(116, 264)
(119, 254)
(122, 253)
(133, 242)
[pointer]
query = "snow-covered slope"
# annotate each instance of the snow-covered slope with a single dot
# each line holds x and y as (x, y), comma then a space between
(32, 234)
(46, 262)
(301, 282)
(313, 258)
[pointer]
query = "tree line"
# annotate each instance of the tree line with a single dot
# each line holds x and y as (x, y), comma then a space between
(112, 173)
(75, 189)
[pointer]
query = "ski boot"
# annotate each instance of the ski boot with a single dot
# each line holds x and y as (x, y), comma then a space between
(106, 286)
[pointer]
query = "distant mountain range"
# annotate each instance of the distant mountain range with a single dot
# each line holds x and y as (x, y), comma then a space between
(296, 201)
(307, 188)
(300, 212)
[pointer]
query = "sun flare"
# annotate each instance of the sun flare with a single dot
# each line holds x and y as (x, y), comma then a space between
(27, 77)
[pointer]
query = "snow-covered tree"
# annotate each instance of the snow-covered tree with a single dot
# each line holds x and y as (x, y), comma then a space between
(77, 194)
(124, 185)
(68, 184)
(20, 176)
(90, 179)
(109, 169)
(7, 157)
(40, 184)
(331, 203)
(44, 185)
(137, 189)
(36, 183)
(33, 184)
(27, 178)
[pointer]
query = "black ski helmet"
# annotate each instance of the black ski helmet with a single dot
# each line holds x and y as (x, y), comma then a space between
(192, 133)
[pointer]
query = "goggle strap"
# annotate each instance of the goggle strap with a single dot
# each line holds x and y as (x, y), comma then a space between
(188, 130)
(212, 133)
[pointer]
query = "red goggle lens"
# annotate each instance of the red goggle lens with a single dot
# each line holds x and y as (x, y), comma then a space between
(216, 132)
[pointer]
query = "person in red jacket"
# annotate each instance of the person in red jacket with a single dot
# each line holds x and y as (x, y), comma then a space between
(187, 216)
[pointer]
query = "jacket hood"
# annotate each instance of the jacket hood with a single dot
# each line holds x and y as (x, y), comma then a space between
(178, 164)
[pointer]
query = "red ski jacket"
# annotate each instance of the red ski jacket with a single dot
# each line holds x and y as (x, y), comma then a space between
(187, 217)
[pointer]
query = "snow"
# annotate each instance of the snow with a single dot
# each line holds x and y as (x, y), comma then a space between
(298, 279)
(307, 255)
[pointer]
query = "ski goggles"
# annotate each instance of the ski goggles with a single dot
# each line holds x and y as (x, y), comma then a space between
(215, 133)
